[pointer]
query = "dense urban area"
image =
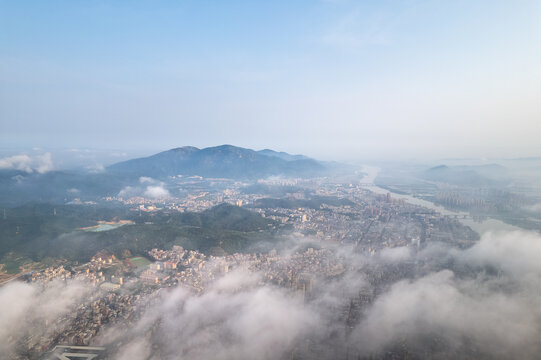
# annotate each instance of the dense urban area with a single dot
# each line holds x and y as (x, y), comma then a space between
(324, 222)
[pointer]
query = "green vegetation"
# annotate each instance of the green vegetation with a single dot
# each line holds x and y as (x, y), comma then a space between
(139, 261)
(11, 266)
(35, 232)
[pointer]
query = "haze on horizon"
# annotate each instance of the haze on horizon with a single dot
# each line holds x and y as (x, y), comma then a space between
(330, 79)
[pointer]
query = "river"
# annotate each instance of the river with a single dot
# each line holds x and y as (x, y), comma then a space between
(481, 227)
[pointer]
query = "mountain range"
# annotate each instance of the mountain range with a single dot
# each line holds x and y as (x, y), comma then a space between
(225, 161)
(481, 175)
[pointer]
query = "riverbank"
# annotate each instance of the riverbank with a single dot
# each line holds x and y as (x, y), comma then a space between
(481, 227)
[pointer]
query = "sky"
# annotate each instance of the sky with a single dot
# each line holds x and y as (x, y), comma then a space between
(331, 79)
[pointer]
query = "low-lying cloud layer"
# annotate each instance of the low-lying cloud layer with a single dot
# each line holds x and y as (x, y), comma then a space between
(38, 163)
(31, 311)
(481, 302)
(489, 308)
(234, 319)
(148, 187)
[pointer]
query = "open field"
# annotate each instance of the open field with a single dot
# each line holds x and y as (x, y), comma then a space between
(139, 261)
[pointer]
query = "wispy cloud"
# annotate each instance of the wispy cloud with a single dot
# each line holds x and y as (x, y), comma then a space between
(95, 168)
(149, 188)
(458, 311)
(31, 311)
(38, 163)
(156, 192)
(233, 319)
(353, 30)
(363, 25)
(464, 310)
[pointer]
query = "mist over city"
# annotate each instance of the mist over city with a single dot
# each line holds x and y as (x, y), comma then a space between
(245, 180)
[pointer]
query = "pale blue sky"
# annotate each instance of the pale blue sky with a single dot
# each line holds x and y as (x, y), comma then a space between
(331, 79)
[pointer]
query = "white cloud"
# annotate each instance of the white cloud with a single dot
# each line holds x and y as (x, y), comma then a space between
(233, 319)
(146, 179)
(460, 311)
(395, 254)
(535, 208)
(39, 163)
(518, 253)
(497, 316)
(129, 191)
(95, 168)
(156, 192)
(30, 310)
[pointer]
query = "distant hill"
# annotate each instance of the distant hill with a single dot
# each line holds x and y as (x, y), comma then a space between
(482, 175)
(19, 187)
(225, 161)
(282, 155)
